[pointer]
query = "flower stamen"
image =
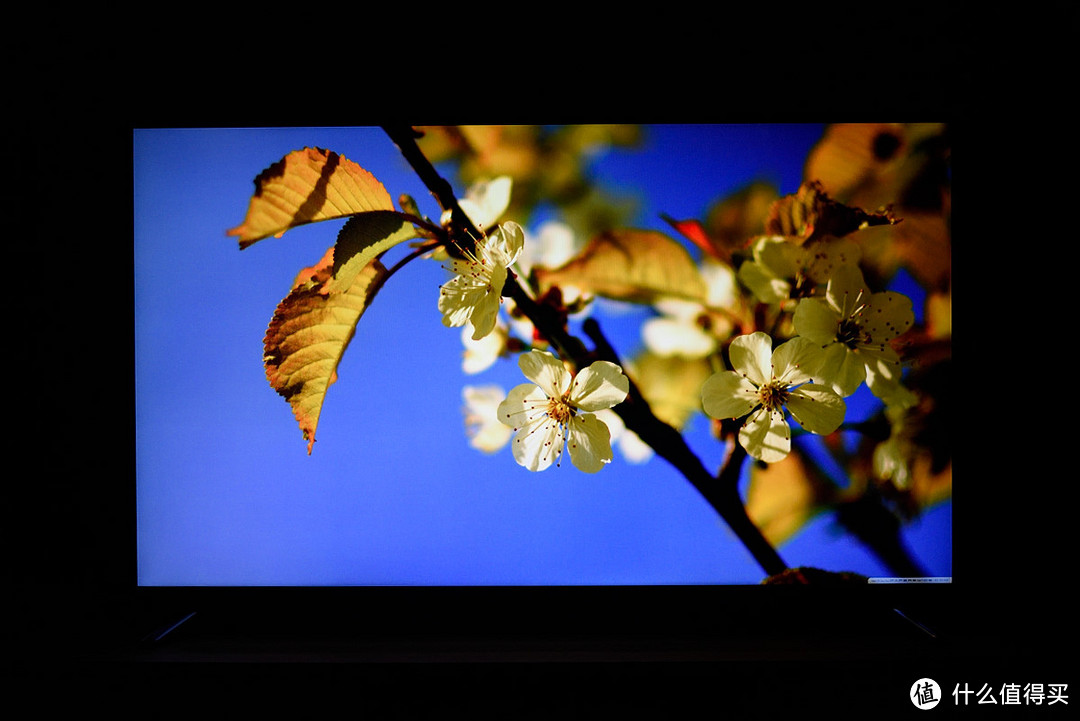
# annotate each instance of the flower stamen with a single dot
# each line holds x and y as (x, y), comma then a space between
(773, 395)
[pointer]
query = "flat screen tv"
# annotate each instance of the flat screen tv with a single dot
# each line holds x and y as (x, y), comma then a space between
(676, 255)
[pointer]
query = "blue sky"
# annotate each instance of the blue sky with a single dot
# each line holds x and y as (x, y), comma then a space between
(392, 493)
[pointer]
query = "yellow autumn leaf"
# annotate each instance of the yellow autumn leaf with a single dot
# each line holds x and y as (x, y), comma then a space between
(671, 385)
(313, 325)
(923, 244)
(309, 332)
(873, 164)
(905, 165)
(639, 266)
(938, 314)
(783, 496)
(308, 186)
(364, 237)
(852, 157)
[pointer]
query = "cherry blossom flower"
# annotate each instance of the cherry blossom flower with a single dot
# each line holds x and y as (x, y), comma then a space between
(479, 355)
(778, 266)
(854, 327)
(550, 245)
(559, 410)
(676, 331)
(763, 383)
(482, 425)
(484, 202)
(690, 329)
(473, 296)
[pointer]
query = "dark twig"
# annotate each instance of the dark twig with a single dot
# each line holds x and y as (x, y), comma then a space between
(722, 493)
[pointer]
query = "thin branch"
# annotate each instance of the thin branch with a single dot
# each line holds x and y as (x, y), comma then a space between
(416, 253)
(721, 494)
(404, 136)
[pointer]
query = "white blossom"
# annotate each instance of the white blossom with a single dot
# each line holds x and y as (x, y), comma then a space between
(765, 382)
(560, 411)
(474, 294)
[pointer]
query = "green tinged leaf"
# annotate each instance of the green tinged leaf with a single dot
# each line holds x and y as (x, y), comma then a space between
(364, 237)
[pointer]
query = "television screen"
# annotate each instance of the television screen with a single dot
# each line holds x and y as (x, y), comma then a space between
(680, 256)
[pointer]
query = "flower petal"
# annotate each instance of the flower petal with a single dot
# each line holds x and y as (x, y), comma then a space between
(826, 255)
(886, 316)
(505, 244)
(473, 295)
(538, 443)
(484, 202)
(766, 436)
(485, 311)
(492, 198)
(782, 258)
(884, 381)
(847, 290)
(841, 369)
(589, 442)
(601, 385)
(670, 336)
(879, 356)
(720, 280)
(482, 425)
(550, 246)
(751, 355)
(890, 462)
(817, 320)
(457, 299)
(479, 355)
(523, 404)
(817, 408)
(633, 449)
(766, 287)
(630, 444)
(546, 371)
(728, 395)
(795, 361)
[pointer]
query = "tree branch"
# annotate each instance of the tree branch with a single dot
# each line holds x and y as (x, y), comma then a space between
(404, 136)
(721, 493)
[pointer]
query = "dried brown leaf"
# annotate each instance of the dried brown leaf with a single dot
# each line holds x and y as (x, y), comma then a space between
(811, 214)
(638, 266)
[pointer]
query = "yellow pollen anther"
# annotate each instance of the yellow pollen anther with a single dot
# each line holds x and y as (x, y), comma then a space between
(560, 411)
(773, 395)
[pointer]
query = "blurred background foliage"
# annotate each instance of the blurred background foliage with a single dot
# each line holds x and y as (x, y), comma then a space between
(549, 165)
